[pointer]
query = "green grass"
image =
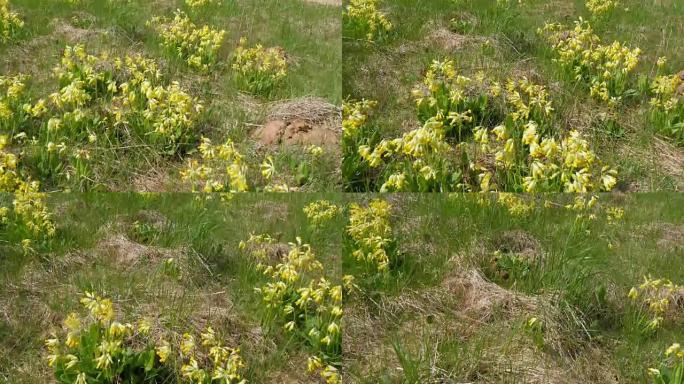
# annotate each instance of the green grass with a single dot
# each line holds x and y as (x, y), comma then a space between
(578, 285)
(425, 320)
(308, 33)
(502, 42)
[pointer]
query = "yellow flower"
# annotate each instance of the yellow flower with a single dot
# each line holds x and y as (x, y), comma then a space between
(163, 351)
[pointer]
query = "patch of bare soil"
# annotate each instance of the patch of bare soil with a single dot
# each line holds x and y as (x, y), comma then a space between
(304, 121)
(296, 132)
(446, 39)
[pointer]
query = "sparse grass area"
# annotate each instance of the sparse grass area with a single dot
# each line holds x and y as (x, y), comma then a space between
(306, 33)
(473, 289)
(116, 245)
(466, 280)
(500, 40)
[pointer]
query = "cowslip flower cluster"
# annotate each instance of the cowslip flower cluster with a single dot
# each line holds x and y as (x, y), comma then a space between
(259, 69)
(364, 18)
(355, 116)
(301, 300)
(131, 91)
(98, 346)
(198, 47)
(320, 211)
(454, 100)
(203, 361)
(370, 230)
(202, 3)
(98, 93)
(15, 104)
(123, 99)
(667, 105)
(601, 7)
(671, 370)
(419, 159)
(222, 169)
(605, 69)
(452, 152)
(568, 165)
(655, 296)
(516, 205)
(10, 22)
(28, 205)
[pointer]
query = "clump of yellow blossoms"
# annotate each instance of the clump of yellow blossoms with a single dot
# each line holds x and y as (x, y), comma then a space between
(516, 205)
(355, 116)
(601, 7)
(302, 300)
(259, 69)
(671, 370)
(363, 18)
(667, 105)
(370, 229)
(452, 151)
(98, 348)
(223, 169)
(204, 361)
(320, 212)
(605, 69)
(15, 106)
(198, 47)
(100, 93)
(655, 296)
(10, 23)
(28, 204)
(356, 131)
(100, 101)
(201, 3)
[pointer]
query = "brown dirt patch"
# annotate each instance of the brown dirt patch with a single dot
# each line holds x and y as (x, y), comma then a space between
(446, 39)
(303, 121)
(153, 180)
(296, 132)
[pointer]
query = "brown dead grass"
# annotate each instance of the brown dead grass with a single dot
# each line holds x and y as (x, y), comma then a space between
(671, 159)
(334, 3)
(129, 253)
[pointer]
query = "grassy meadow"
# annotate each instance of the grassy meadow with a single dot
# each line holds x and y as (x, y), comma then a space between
(112, 141)
(491, 43)
(461, 288)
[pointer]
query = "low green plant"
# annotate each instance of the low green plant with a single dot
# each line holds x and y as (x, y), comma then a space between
(98, 349)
